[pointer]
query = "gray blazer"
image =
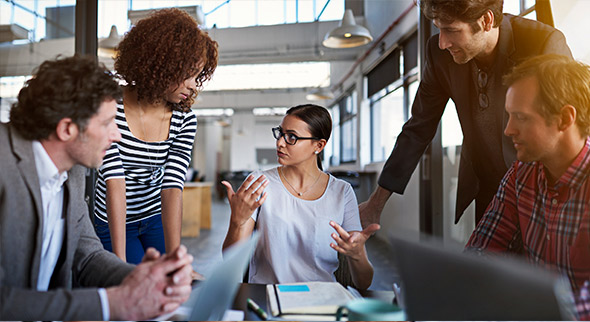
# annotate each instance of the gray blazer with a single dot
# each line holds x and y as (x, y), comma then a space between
(83, 262)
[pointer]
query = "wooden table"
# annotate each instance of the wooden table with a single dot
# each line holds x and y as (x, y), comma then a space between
(196, 208)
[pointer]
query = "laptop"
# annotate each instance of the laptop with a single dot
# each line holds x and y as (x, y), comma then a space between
(215, 295)
(444, 284)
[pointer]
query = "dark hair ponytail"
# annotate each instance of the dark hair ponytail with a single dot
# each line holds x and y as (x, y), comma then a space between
(318, 121)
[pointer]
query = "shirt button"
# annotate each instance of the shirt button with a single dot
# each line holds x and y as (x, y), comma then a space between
(548, 238)
(554, 201)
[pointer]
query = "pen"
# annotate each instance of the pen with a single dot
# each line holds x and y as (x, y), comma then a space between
(259, 311)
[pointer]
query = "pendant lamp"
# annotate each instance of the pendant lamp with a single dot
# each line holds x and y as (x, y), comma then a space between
(348, 34)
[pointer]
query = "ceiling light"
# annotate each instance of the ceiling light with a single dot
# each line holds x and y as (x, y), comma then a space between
(348, 34)
(322, 93)
(106, 47)
(12, 32)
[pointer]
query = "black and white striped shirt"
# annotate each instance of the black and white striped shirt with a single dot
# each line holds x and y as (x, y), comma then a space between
(135, 161)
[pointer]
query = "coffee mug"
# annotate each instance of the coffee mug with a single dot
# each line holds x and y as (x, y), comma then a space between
(371, 310)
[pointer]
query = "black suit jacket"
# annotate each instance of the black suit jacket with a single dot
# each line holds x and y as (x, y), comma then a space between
(442, 79)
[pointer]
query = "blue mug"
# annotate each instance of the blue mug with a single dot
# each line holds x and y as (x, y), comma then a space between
(371, 310)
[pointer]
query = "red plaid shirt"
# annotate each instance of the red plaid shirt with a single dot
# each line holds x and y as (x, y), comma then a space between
(550, 225)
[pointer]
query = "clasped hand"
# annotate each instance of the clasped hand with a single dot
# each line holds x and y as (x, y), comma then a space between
(158, 285)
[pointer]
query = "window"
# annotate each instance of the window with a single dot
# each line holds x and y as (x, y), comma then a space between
(387, 119)
(348, 127)
(392, 85)
(334, 151)
(263, 76)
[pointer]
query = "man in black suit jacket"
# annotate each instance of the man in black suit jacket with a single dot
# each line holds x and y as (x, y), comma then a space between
(52, 264)
(465, 62)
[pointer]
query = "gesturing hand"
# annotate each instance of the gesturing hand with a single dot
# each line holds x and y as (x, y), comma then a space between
(247, 198)
(351, 243)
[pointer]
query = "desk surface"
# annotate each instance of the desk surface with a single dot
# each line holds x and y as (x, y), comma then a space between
(257, 292)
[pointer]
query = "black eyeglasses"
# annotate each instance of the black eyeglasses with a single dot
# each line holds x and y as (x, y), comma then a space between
(290, 138)
(482, 83)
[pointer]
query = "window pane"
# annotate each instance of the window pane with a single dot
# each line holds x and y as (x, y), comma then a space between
(306, 11)
(413, 88)
(24, 18)
(243, 13)
(291, 11)
(112, 13)
(532, 15)
(251, 76)
(387, 119)
(219, 18)
(530, 3)
(512, 6)
(451, 128)
(5, 13)
(334, 10)
(270, 12)
(349, 140)
(335, 156)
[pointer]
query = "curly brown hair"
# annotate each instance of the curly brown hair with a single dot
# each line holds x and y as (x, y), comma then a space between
(67, 87)
(163, 50)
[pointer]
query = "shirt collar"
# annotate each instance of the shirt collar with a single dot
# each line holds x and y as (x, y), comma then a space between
(577, 172)
(46, 169)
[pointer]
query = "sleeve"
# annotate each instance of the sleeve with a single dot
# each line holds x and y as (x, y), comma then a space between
(498, 230)
(556, 44)
(427, 109)
(352, 219)
(179, 155)
(92, 265)
(57, 305)
(112, 166)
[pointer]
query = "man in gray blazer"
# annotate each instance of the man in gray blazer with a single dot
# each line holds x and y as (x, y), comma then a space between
(52, 265)
(465, 62)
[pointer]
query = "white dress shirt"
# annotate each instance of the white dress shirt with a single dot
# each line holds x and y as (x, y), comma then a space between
(52, 197)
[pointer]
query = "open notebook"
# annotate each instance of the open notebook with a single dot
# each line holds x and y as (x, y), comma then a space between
(311, 298)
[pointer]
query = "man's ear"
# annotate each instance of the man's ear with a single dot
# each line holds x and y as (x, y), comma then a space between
(567, 117)
(66, 130)
(488, 20)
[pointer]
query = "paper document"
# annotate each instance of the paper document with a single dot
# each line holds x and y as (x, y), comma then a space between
(306, 298)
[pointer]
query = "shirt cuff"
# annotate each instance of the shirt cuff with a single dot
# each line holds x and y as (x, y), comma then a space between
(104, 303)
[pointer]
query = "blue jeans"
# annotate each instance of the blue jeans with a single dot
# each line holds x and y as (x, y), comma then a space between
(140, 235)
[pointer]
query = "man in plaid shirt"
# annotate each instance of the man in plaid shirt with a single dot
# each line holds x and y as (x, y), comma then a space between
(542, 208)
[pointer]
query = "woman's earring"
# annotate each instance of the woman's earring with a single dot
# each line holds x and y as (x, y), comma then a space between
(317, 152)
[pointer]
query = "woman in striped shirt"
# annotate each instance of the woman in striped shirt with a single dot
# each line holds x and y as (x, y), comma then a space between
(164, 61)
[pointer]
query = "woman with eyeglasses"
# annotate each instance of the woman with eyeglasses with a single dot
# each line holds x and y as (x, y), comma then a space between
(304, 215)
(163, 61)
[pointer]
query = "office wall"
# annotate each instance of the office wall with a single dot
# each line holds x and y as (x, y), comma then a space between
(401, 212)
(248, 133)
(461, 231)
(208, 148)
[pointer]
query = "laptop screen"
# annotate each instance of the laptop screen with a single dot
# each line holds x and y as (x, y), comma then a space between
(216, 293)
(440, 284)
